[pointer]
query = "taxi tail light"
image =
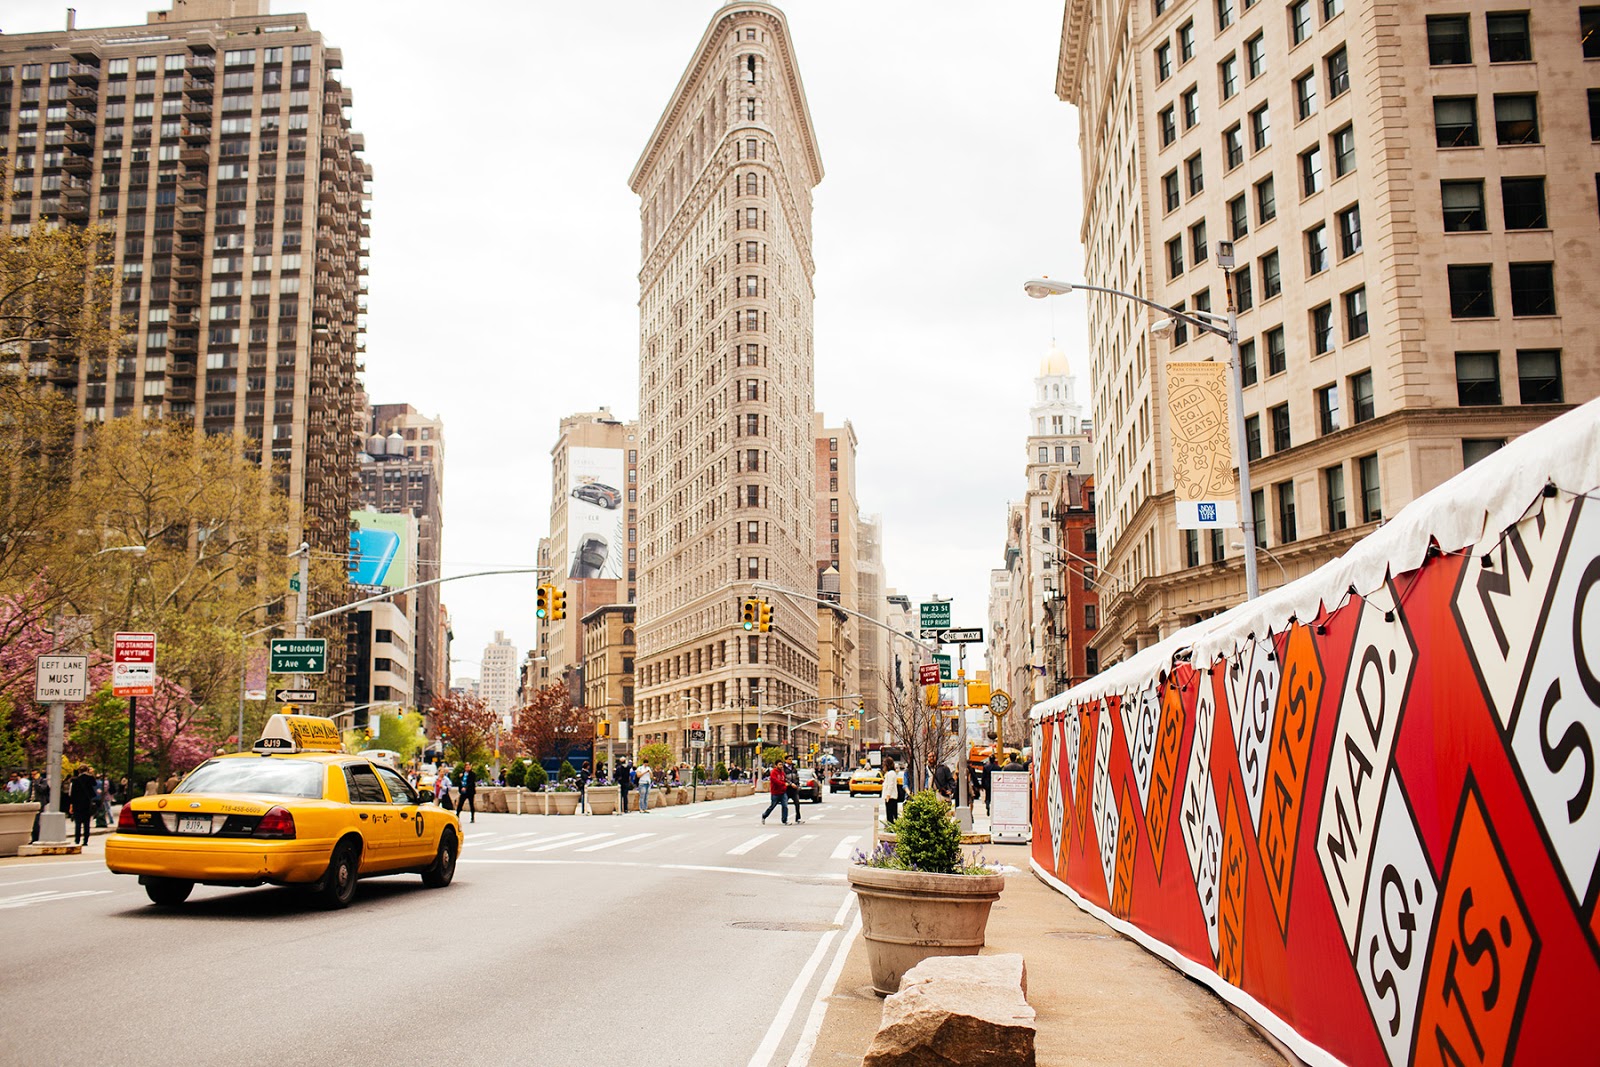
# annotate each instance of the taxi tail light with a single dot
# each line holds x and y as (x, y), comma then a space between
(276, 823)
(125, 820)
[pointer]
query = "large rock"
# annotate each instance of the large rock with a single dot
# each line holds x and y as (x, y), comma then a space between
(953, 1011)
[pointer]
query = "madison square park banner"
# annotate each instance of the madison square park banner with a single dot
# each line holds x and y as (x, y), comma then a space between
(1376, 831)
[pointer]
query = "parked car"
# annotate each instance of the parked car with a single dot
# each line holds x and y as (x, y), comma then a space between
(599, 493)
(809, 785)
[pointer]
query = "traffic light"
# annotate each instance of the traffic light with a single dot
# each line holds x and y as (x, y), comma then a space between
(291, 709)
(558, 603)
(542, 604)
(747, 614)
(766, 617)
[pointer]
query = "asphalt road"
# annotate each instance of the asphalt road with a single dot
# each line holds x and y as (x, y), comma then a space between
(689, 933)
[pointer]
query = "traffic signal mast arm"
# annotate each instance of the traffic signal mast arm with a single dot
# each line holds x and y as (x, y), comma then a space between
(387, 593)
(791, 594)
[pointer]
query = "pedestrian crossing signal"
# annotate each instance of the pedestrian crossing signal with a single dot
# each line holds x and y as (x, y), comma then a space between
(765, 618)
(542, 602)
(747, 613)
(602, 730)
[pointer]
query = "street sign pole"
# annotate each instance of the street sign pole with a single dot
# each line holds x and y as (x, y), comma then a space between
(300, 612)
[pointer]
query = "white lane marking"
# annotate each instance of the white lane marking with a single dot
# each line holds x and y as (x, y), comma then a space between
(575, 840)
(733, 816)
(48, 896)
(612, 844)
(830, 876)
(819, 816)
(524, 842)
(700, 815)
(658, 843)
(794, 850)
(759, 839)
(52, 878)
(801, 1056)
(841, 851)
(791, 1002)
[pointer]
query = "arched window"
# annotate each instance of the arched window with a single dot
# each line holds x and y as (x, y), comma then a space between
(752, 184)
(627, 637)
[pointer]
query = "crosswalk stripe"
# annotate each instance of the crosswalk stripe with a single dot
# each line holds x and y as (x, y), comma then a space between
(842, 849)
(523, 841)
(576, 840)
(658, 843)
(700, 815)
(44, 897)
(799, 843)
(754, 842)
(819, 816)
(734, 816)
(618, 841)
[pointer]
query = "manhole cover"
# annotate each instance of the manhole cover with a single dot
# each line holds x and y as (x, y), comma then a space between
(794, 928)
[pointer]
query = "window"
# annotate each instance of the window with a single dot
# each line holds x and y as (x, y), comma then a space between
(1523, 200)
(1516, 118)
(1277, 352)
(1362, 408)
(1462, 202)
(1260, 128)
(1328, 409)
(1477, 378)
(1191, 548)
(1197, 242)
(1317, 249)
(1533, 289)
(1266, 200)
(1344, 151)
(1455, 121)
(1330, 8)
(1169, 125)
(1243, 292)
(1232, 146)
(1163, 61)
(1228, 76)
(1371, 491)
(1449, 40)
(1196, 173)
(1186, 41)
(1280, 428)
(1255, 51)
(1238, 217)
(1589, 28)
(1349, 231)
(1509, 41)
(1258, 513)
(1338, 67)
(1355, 313)
(1252, 437)
(1271, 275)
(1594, 114)
(1286, 527)
(1180, 332)
(1224, 14)
(1219, 546)
(1247, 363)
(1299, 21)
(1539, 375)
(1170, 190)
(1333, 483)
(1322, 329)
(1191, 107)
(1305, 95)
(1174, 257)
(1474, 449)
(1091, 617)
(1311, 171)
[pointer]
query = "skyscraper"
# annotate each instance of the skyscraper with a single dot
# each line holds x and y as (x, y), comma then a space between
(214, 149)
(725, 388)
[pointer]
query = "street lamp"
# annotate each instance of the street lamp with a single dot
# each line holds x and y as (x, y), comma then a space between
(1226, 327)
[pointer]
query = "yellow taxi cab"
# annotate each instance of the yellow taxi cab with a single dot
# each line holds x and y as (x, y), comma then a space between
(296, 811)
(866, 780)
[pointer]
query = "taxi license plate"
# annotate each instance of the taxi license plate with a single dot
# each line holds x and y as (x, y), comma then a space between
(194, 824)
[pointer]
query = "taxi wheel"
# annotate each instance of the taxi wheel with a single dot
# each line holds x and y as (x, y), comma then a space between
(338, 887)
(168, 892)
(443, 868)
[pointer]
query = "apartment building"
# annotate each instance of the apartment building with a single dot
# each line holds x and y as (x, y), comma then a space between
(725, 390)
(608, 657)
(1410, 190)
(213, 148)
(838, 519)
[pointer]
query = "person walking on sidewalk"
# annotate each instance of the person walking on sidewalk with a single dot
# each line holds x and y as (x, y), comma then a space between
(944, 783)
(81, 802)
(891, 792)
(791, 778)
(441, 787)
(468, 792)
(643, 775)
(990, 765)
(624, 782)
(41, 793)
(778, 786)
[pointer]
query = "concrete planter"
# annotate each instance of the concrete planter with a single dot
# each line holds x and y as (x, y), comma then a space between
(907, 916)
(561, 803)
(660, 798)
(16, 826)
(533, 803)
(604, 799)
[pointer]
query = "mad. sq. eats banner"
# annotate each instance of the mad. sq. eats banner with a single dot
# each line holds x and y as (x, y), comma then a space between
(1364, 808)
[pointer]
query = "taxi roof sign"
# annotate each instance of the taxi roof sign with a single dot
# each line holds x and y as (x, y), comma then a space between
(299, 733)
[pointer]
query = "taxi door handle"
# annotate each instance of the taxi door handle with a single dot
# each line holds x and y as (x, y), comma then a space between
(405, 815)
(363, 814)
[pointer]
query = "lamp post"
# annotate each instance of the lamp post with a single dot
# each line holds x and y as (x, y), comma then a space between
(1226, 327)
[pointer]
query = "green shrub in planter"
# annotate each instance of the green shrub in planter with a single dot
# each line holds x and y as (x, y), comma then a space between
(722, 771)
(567, 771)
(516, 774)
(926, 835)
(536, 778)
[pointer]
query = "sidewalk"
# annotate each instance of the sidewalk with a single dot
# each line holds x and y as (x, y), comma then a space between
(1100, 998)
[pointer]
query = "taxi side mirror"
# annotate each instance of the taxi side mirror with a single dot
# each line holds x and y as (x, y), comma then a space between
(424, 796)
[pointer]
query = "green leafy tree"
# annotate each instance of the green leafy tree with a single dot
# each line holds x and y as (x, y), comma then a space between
(400, 733)
(659, 756)
(12, 753)
(99, 736)
(773, 755)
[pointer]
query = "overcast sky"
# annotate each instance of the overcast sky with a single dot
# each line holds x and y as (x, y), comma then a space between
(505, 248)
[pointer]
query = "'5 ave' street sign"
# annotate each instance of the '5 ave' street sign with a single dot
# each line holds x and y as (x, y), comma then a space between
(299, 655)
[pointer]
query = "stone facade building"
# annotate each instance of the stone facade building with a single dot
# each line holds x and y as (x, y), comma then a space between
(725, 388)
(1411, 198)
(608, 680)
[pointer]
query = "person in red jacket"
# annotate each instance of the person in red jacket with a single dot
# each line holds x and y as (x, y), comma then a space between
(778, 786)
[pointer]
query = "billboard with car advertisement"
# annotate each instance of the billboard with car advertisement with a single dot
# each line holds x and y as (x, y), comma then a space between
(596, 530)
(380, 549)
(1362, 806)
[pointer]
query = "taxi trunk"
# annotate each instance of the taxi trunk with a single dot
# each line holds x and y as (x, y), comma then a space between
(217, 839)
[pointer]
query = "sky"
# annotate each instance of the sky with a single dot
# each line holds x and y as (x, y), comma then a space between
(505, 249)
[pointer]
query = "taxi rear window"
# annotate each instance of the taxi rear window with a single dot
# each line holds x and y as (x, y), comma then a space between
(274, 777)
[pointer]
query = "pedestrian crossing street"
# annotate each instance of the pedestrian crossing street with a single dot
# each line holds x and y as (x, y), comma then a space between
(772, 842)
